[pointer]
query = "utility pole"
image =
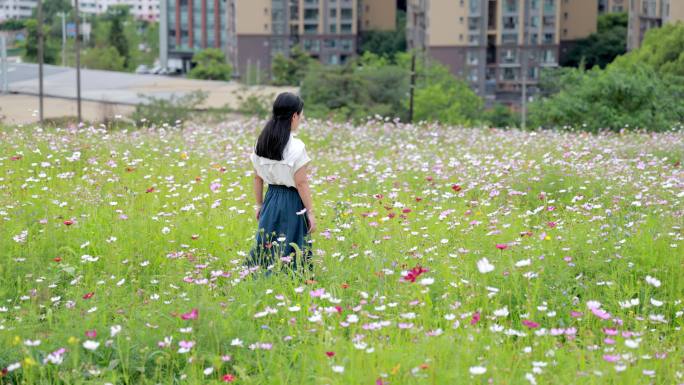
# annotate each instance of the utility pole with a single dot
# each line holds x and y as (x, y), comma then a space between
(63, 14)
(3, 64)
(523, 58)
(77, 46)
(413, 86)
(40, 60)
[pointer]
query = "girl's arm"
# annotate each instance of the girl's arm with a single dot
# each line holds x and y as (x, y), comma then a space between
(302, 185)
(258, 193)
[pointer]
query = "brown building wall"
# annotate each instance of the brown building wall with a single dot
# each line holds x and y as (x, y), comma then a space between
(253, 17)
(444, 23)
(254, 49)
(452, 57)
(378, 15)
(577, 19)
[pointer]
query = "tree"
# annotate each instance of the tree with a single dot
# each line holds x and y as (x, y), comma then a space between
(445, 98)
(117, 15)
(12, 25)
(634, 96)
(52, 8)
(386, 43)
(501, 116)
(103, 58)
(210, 64)
(50, 48)
(602, 47)
(290, 71)
(662, 49)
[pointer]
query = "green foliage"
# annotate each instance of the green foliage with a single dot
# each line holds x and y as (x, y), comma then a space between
(103, 58)
(117, 38)
(386, 43)
(614, 98)
(372, 86)
(254, 105)
(602, 47)
(172, 111)
(210, 64)
(290, 71)
(12, 25)
(662, 49)
(30, 45)
(52, 8)
(501, 116)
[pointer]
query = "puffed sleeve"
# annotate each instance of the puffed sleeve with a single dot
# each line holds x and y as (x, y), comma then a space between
(301, 159)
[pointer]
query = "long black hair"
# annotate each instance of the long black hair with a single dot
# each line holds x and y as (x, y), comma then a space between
(276, 133)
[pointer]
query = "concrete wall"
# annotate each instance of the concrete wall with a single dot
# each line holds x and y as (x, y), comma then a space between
(379, 15)
(578, 19)
(253, 17)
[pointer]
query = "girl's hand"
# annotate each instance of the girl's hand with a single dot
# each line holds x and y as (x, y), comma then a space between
(312, 222)
(258, 212)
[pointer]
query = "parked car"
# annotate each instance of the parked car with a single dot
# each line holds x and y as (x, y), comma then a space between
(142, 69)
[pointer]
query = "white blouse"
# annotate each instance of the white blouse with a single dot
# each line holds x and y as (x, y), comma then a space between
(282, 172)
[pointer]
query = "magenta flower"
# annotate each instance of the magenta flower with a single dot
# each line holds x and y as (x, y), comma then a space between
(530, 324)
(501, 246)
(193, 314)
(475, 319)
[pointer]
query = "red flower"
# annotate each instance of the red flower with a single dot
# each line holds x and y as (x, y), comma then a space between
(228, 378)
(345, 285)
(89, 295)
(57, 259)
(68, 222)
(501, 246)
(338, 308)
(149, 190)
(456, 187)
(406, 210)
(193, 314)
(391, 215)
(429, 179)
(530, 324)
(414, 273)
(418, 199)
(91, 333)
(16, 157)
(475, 319)
(330, 354)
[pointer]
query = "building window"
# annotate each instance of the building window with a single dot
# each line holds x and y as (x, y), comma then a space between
(333, 28)
(333, 13)
(511, 6)
(346, 28)
(346, 14)
(472, 57)
(510, 22)
(311, 15)
(508, 74)
(548, 38)
(311, 28)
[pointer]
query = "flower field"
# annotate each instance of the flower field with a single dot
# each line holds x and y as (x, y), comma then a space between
(444, 256)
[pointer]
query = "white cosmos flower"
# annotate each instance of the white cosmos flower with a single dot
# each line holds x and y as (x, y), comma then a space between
(338, 369)
(632, 344)
(523, 262)
(90, 344)
(652, 281)
(114, 330)
(503, 312)
(236, 342)
(477, 370)
(427, 281)
(656, 303)
(484, 266)
(208, 371)
(593, 304)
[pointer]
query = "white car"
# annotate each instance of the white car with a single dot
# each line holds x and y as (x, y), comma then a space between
(142, 69)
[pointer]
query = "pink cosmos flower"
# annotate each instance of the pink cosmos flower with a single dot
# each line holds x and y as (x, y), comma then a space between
(501, 246)
(193, 314)
(530, 324)
(475, 319)
(91, 333)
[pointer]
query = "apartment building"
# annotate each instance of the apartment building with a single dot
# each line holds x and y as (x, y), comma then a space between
(16, 9)
(140, 9)
(252, 32)
(647, 14)
(498, 44)
(611, 6)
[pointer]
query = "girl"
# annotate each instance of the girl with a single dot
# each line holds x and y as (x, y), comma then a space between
(286, 214)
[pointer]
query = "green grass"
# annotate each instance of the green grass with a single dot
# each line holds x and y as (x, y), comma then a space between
(181, 246)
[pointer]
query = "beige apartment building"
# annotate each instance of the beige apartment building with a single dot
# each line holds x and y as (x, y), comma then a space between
(647, 14)
(498, 44)
(611, 6)
(252, 32)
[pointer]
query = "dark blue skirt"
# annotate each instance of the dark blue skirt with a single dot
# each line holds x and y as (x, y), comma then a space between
(279, 226)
